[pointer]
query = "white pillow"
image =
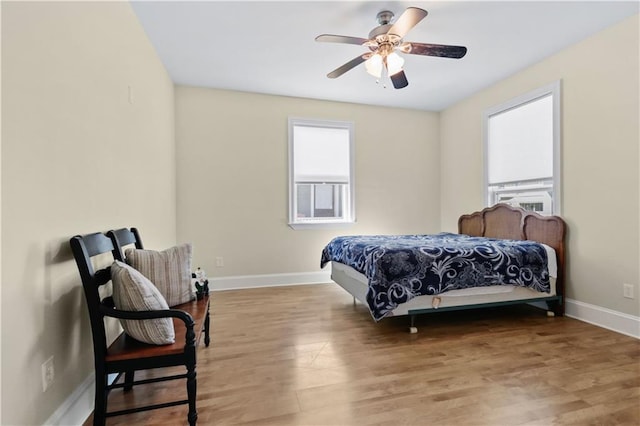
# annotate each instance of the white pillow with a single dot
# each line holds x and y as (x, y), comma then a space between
(168, 270)
(132, 291)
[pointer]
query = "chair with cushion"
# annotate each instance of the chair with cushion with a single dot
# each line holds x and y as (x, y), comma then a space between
(177, 329)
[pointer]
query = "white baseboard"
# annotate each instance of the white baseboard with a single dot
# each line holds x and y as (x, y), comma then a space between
(602, 317)
(271, 280)
(77, 408)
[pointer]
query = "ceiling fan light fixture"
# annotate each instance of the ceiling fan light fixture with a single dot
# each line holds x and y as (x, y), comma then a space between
(394, 63)
(374, 65)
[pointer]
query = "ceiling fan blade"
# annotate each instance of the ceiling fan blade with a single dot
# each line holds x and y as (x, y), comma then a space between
(346, 67)
(399, 80)
(331, 38)
(407, 20)
(441, 50)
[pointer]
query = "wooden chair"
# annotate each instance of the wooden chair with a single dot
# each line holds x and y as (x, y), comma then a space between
(131, 237)
(126, 354)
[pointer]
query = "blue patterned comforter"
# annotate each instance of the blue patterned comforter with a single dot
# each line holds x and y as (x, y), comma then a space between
(401, 267)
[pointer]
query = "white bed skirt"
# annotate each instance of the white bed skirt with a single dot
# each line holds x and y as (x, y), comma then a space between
(356, 284)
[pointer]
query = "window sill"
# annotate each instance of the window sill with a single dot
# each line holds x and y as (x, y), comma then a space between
(321, 225)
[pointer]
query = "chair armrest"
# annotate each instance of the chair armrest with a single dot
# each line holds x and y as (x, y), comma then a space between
(190, 334)
(144, 315)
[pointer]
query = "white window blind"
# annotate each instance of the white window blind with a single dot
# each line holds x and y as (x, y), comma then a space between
(522, 151)
(321, 167)
(520, 142)
(321, 154)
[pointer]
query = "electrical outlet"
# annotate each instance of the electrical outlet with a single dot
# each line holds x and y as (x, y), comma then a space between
(48, 373)
(627, 291)
(219, 262)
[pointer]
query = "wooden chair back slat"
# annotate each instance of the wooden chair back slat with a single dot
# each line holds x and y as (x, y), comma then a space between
(123, 237)
(84, 248)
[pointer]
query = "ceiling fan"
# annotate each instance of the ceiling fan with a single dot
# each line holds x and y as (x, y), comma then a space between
(383, 42)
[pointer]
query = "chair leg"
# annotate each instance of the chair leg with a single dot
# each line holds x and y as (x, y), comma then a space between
(100, 407)
(207, 337)
(192, 417)
(128, 380)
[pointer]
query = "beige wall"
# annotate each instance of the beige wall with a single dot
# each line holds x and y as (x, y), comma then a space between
(77, 157)
(232, 178)
(600, 139)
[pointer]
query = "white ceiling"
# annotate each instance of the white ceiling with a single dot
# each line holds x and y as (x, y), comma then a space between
(268, 47)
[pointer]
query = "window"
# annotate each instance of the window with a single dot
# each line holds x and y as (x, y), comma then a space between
(320, 173)
(522, 151)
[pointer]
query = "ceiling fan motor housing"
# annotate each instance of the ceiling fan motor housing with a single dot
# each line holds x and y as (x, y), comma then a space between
(385, 41)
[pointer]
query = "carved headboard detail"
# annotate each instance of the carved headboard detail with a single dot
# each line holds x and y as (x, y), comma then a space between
(511, 223)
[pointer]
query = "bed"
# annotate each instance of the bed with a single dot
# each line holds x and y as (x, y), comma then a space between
(501, 234)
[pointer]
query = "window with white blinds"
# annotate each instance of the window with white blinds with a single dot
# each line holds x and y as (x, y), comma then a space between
(522, 151)
(320, 172)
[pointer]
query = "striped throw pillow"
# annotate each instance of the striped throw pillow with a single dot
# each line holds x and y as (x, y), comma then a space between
(132, 291)
(168, 270)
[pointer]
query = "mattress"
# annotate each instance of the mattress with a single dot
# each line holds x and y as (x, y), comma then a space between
(357, 285)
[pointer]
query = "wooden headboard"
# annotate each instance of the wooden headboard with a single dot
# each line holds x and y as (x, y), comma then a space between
(506, 222)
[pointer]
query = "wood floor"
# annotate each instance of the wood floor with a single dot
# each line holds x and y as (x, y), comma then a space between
(304, 355)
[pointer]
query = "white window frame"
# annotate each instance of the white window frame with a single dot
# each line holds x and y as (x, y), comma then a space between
(350, 205)
(553, 89)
